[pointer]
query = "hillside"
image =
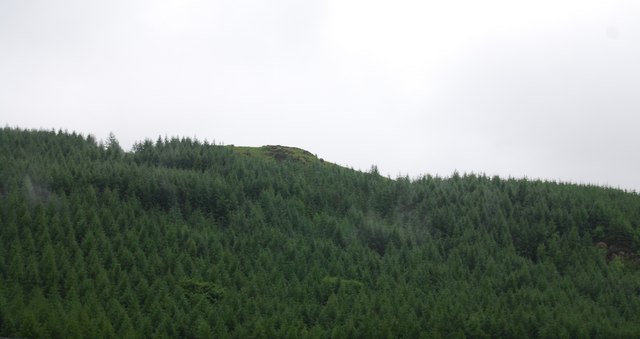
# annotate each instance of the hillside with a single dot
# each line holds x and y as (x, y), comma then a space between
(180, 238)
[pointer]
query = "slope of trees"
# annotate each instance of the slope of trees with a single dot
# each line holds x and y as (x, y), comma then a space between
(180, 238)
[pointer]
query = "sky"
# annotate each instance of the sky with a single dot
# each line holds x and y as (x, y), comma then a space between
(539, 89)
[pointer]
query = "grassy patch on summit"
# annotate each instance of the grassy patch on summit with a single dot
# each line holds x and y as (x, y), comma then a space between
(279, 153)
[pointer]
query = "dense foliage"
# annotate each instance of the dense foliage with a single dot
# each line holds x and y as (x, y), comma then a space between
(181, 238)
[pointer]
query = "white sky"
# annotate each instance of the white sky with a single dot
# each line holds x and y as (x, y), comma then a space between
(543, 89)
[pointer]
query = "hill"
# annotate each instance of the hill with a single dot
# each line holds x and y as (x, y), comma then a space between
(180, 238)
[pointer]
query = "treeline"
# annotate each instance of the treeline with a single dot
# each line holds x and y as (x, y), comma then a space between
(181, 238)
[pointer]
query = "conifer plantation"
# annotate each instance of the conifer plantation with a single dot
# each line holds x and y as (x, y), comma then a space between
(186, 239)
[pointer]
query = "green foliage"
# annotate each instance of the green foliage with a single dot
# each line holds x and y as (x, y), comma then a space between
(181, 238)
(210, 290)
(335, 285)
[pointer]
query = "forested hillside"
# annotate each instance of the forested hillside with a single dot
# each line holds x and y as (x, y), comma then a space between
(186, 239)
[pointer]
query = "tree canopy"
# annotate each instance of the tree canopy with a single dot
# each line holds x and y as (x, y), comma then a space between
(182, 238)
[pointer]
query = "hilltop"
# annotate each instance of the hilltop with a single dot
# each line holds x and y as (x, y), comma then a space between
(279, 153)
(180, 238)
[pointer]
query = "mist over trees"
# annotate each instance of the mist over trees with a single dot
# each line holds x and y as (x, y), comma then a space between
(182, 238)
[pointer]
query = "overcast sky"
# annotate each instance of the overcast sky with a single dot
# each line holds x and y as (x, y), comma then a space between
(543, 89)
